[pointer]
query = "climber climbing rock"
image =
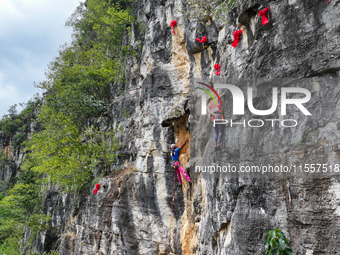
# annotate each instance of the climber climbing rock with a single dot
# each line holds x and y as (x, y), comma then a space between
(218, 69)
(97, 188)
(176, 165)
(203, 40)
(215, 110)
(264, 14)
(173, 24)
(237, 34)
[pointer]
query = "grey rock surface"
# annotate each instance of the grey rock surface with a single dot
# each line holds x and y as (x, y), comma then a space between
(215, 214)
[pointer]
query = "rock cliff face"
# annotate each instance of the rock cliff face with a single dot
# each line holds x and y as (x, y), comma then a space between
(214, 214)
(9, 161)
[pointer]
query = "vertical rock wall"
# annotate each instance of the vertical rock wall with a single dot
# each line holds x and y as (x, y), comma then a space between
(133, 213)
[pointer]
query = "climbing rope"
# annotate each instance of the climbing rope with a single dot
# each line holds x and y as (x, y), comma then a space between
(172, 209)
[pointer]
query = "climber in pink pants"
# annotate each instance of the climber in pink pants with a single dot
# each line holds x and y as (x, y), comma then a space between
(178, 168)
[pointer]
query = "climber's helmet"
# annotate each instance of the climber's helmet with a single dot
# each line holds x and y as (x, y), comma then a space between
(173, 146)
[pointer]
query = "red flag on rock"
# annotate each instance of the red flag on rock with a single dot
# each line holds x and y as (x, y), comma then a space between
(173, 24)
(264, 14)
(97, 188)
(237, 34)
(203, 40)
(218, 69)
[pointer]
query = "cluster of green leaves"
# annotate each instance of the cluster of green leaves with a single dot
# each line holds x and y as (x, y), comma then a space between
(67, 155)
(20, 206)
(10, 247)
(79, 89)
(277, 244)
(79, 81)
(221, 10)
(202, 10)
(17, 125)
(20, 199)
(46, 253)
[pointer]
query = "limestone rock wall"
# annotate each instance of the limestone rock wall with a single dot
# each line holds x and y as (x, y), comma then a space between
(132, 212)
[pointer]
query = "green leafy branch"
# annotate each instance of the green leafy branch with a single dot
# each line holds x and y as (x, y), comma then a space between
(202, 10)
(277, 244)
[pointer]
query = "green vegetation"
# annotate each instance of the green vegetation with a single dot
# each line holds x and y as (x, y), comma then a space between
(16, 126)
(68, 148)
(46, 253)
(202, 10)
(79, 88)
(79, 81)
(4, 160)
(69, 156)
(10, 245)
(20, 206)
(277, 244)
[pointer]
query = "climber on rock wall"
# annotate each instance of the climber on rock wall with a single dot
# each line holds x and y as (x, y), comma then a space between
(176, 165)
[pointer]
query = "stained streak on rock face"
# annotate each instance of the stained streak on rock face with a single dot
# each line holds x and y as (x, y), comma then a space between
(188, 229)
(188, 239)
(180, 58)
(197, 66)
(189, 233)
